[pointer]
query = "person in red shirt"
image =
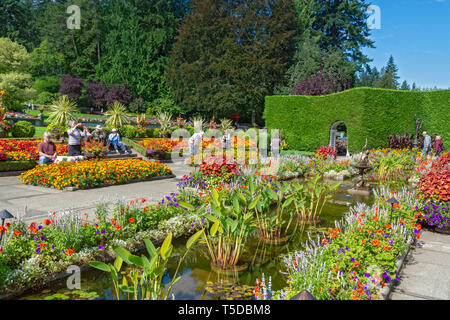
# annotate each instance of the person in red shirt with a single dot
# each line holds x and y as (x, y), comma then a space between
(438, 146)
(47, 150)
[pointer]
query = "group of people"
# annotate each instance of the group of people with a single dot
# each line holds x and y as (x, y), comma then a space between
(77, 132)
(438, 145)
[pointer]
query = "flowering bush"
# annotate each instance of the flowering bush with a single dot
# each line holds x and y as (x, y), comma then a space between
(93, 149)
(436, 214)
(93, 173)
(33, 251)
(358, 257)
(15, 150)
(326, 152)
(436, 183)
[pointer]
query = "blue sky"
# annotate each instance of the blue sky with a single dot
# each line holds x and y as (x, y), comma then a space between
(417, 34)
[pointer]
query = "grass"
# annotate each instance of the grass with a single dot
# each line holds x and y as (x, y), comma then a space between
(46, 114)
(40, 131)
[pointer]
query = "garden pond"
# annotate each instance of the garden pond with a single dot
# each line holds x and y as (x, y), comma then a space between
(199, 281)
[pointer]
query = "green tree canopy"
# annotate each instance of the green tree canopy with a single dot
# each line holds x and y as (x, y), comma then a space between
(229, 55)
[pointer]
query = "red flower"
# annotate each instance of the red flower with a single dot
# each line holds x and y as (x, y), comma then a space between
(17, 233)
(131, 220)
(47, 222)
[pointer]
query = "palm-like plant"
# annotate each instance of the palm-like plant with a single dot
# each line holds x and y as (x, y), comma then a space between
(226, 124)
(62, 111)
(117, 115)
(198, 121)
(164, 121)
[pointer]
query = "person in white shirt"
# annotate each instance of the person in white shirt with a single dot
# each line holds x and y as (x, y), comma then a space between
(195, 142)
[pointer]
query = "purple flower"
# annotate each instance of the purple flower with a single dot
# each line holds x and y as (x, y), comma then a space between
(101, 247)
(38, 250)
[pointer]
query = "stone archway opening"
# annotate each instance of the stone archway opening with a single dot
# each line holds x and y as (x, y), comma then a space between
(338, 138)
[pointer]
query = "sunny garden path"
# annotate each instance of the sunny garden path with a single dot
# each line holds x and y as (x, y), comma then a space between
(38, 201)
(426, 274)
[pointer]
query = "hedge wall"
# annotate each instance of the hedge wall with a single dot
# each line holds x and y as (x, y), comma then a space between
(305, 121)
(16, 165)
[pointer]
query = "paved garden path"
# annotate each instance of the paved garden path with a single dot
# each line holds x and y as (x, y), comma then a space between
(34, 203)
(426, 273)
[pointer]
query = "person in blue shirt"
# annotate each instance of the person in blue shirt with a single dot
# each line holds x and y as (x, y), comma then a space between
(115, 139)
(426, 143)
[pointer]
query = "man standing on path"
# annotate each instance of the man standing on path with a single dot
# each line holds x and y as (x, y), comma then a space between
(426, 143)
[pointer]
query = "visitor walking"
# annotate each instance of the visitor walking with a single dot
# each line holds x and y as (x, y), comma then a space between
(47, 150)
(438, 146)
(115, 139)
(75, 135)
(426, 143)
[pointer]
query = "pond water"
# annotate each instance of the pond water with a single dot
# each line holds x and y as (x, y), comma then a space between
(198, 281)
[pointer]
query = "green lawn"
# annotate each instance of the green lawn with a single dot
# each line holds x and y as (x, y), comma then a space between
(46, 114)
(40, 132)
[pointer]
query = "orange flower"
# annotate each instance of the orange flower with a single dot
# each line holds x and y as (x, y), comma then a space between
(69, 251)
(17, 233)
(387, 226)
(143, 200)
(376, 243)
(47, 222)
(294, 263)
(118, 227)
(3, 229)
(131, 220)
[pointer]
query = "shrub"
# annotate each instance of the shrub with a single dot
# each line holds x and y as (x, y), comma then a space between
(70, 86)
(17, 165)
(23, 129)
(46, 97)
(156, 133)
(325, 152)
(305, 121)
(46, 84)
(129, 131)
(435, 184)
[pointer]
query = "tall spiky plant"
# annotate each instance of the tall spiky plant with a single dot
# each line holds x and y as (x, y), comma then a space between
(164, 121)
(117, 115)
(198, 121)
(226, 124)
(62, 110)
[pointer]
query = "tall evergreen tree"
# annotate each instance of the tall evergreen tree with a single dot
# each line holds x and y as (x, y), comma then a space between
(389, 77)
(310, 60)
(367, 77)
(137, 41)
(230, 54)
(342, 24)
(405, 86)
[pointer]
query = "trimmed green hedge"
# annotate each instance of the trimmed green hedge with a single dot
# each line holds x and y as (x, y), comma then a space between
(16, 165)
(305, 121)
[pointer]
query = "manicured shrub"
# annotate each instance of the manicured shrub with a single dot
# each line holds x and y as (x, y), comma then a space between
(70, 86)
(23, 129)
(129, 131)
(305, 121)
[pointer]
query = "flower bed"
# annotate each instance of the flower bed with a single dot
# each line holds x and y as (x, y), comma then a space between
(358, 257)
(434, 190)
(93, 173)
(18, 150)
(34, 253)
(158, 148)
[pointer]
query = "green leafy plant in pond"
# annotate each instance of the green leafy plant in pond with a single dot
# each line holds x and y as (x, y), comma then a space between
(231, 222)
(274, 224)
(74, 295)
(316, 193)
(144, 278)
